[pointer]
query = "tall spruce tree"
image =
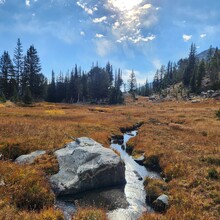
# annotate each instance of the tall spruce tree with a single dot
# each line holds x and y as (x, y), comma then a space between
(191, 67)
(32, 71)
(109, 70)
(98, 84)
(18, 60)
(7, 77)
(201, 74)
(51, 94)
(132, 83)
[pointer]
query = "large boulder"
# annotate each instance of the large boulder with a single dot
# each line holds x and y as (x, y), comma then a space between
(85, 165)
(29, 158)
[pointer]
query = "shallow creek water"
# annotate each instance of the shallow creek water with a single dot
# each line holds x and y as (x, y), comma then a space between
(126, 203)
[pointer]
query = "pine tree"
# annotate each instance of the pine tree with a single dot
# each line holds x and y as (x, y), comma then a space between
(132, 83)
(98, 84)
(201, 74)
(191, 67)
(18, 64)
(215, 67)
(146, 88)
(32, 71)
(7, 78)
(109, 70)
(51, 96)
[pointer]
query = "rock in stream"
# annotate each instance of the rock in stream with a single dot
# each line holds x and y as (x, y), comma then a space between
(86, 165)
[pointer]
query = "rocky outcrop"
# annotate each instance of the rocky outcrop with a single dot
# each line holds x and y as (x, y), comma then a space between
(29, 158)
(85, 165)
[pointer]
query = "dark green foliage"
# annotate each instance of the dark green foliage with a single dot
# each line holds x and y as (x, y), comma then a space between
(27, 98)
(6, 74)
(2, 98)
(18, 64)
(201, 74)
(32, 73)
(213, 174)
(116, 96)
(24, 81)
(218, 114)
(51, 95)
(152, 162)
(132, 84)
(98, 84)
(109, 70)
(190, 72)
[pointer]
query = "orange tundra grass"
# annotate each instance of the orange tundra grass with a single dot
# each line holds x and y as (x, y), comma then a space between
(182, 137)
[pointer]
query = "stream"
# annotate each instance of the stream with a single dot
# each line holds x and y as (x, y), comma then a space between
(126, 203)
(134, 188)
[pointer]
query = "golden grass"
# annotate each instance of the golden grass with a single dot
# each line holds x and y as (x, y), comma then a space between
(90, 214)
(184, 137)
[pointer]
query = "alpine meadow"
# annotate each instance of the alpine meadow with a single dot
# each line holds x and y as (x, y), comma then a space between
(109, 110)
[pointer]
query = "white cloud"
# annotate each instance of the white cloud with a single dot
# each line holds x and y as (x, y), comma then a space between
(2, 2)
(99, 20)
(127, 20)
(27, 2)
(86, 9)
(136, 39)
(82, 33)
(124, 5)
(187, 37)
(202, 35)
(146, 6)
(99, 35)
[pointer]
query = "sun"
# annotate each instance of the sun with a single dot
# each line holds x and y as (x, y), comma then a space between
(125, 5)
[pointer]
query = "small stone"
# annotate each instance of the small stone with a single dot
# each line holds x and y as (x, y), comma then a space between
(29, 158)
(161, 204)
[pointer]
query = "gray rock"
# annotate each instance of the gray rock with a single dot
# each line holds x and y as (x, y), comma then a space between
(195, 101)
(86, 165)
(29, 158)
(139, 160)
(161, 203)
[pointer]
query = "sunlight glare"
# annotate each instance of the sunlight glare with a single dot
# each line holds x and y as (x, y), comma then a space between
(125, 5)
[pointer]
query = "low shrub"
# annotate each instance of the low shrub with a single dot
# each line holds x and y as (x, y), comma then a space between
(13, 150)
(50, 214)
(173, 171)
(154, 188)
(25, 186)
(213, 173)
(48, 163)
(218, 114)
(152, 162)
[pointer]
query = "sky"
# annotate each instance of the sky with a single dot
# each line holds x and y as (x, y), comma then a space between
(131, 34)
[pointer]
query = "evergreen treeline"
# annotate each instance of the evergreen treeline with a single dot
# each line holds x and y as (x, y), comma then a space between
(96, 86)
(21, 79)
(190, 72)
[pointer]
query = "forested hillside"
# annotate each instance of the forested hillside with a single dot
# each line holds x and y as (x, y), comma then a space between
(196, 73)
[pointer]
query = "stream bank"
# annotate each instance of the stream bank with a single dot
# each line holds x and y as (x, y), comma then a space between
(121, 203)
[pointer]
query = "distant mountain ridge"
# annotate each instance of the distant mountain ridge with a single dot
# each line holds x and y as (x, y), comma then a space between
(204, 54)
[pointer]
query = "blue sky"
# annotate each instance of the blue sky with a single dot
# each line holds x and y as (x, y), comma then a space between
(131, 34)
